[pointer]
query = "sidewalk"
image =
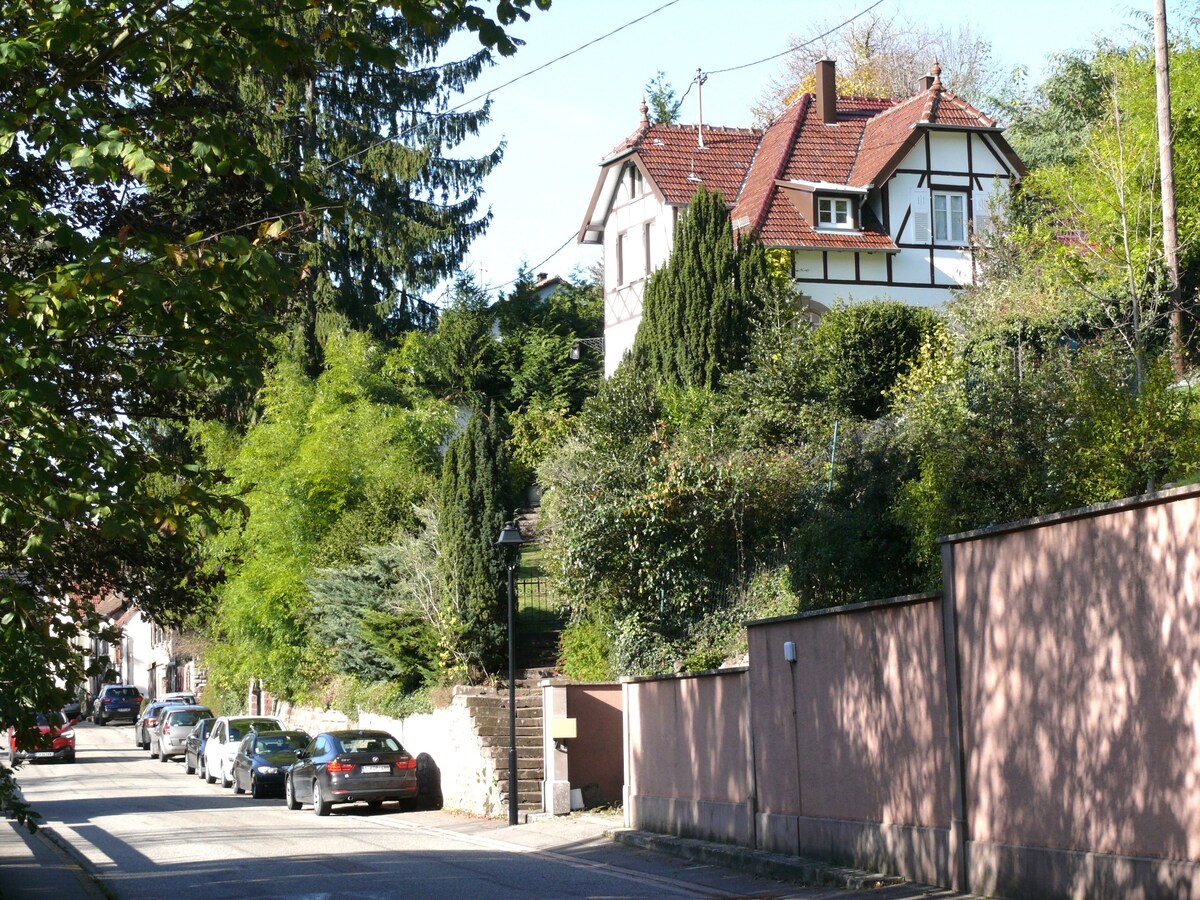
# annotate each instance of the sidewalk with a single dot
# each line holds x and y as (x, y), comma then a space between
(32, 867)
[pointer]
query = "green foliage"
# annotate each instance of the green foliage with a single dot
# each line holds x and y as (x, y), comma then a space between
(662, 99)
(472, 508)
(999, 438)
(332, 465)
(584, 650)
(698, 309)
(1051, 123)
(141, 283)
(638, 527)
(350, 695)
(861, 350)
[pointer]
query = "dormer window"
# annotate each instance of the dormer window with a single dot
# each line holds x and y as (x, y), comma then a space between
(834, 212)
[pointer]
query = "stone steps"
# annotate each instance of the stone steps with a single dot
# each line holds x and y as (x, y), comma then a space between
(488, 709)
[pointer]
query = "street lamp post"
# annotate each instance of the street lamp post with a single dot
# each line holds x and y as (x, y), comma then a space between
(510, 542)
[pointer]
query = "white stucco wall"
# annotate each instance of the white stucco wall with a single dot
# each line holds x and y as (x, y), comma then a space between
(468, 776)
(642, 219)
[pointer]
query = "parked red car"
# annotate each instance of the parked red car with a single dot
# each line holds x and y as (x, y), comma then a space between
(61, 746)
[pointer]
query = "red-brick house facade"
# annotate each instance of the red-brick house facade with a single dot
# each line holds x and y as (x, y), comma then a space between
(871, 197)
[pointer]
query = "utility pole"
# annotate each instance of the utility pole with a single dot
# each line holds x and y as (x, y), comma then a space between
(1166, 165)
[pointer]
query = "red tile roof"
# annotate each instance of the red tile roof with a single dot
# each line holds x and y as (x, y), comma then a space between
(678, 164)
(870, 137)
(785, 227)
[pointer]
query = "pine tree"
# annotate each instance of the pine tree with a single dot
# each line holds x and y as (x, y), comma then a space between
(472, 504)
(698, 309)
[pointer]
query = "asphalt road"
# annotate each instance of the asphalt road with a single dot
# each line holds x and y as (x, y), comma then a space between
(146, 829)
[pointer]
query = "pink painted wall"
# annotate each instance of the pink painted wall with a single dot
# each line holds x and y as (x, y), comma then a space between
(1080, 669)
(596, 754)
(867, 698)
(688, 738)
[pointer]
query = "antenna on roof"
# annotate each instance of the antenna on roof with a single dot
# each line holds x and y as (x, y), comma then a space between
(700, 79)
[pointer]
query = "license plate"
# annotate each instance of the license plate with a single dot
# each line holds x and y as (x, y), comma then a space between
(375, 770)
(43, 754)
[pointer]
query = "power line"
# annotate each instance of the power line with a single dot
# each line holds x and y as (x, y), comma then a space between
(534, 267)
(488, 93)
(796, 47)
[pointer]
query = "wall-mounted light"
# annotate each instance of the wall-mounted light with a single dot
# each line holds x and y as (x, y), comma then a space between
(596, 344)
(789, 651)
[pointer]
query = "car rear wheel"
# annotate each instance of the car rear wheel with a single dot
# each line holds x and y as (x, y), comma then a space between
(100, 720)
(237, 786)
(289, 795)
(162, 757)
(226, 781)
(209, 777)
(187, 766)
(374, 805)
(321, 806)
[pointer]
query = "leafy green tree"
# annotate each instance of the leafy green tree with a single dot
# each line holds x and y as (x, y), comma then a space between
(535, 339)
(473, 504)
(334, 464)
(109, 316)
(698, 309)
(1049, 125)
(861, 350)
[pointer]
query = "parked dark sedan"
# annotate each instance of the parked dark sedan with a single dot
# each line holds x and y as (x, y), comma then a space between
(193, 747)
(349, 766)
(263, 760)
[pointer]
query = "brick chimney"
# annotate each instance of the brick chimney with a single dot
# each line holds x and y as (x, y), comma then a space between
(926, 83)
(826, 91)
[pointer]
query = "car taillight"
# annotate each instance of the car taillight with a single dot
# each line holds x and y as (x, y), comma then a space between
(409, 763)
(339, 765)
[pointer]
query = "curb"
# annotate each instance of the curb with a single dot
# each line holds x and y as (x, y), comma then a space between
(778, 866)
(90, 883)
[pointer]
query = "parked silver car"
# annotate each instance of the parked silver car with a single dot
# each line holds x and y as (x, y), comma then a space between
(168, 738)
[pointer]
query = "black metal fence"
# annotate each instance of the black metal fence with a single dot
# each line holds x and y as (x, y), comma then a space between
(540, 621)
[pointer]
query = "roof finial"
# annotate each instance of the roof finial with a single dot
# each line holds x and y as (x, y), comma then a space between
(936, 71)
(645, 113)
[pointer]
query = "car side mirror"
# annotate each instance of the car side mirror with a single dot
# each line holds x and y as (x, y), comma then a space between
(301, 754)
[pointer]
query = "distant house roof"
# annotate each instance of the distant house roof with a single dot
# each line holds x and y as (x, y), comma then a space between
(755, 169)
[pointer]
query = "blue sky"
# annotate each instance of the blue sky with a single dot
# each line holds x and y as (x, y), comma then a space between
(559, 122)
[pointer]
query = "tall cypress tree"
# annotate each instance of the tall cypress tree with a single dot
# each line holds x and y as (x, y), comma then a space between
(698, 309)
(472, 505)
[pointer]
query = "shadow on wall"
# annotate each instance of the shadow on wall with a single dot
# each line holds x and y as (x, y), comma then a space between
(1081, 691)
(429, 782)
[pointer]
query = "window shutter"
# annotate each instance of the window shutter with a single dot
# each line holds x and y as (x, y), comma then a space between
(920, 216)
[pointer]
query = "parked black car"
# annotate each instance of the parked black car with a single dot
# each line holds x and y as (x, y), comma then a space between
(116, 701)
(263, 760)
(350, 766)
(193, 747)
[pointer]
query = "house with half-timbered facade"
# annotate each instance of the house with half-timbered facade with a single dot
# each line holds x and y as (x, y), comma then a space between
(871, 197)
